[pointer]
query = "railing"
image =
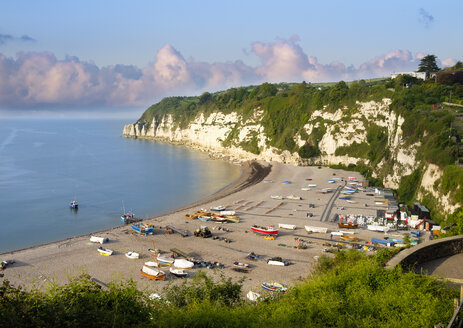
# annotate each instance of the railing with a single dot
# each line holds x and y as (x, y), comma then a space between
(456, 320)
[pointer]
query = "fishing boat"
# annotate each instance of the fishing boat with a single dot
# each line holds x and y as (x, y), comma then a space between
(74, 204)
(349, 238)
(152, 273)
(165, 260)
(305, 188)
(274, 287)
(348, 225)
(277, 261)
(143, 228)
(233, 219)
(129, 217)
(178, 272)
(287, 226)
(287, 182)
(270, 230)
(276, 197)
(132, 255)
(218, 208)
(225, 213)
(293, 197)
(105, 251)
(218, 218)
(191, 216)
(151, 264)
(204, 218)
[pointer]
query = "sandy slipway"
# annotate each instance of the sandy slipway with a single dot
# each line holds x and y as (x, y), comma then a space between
(250, 196)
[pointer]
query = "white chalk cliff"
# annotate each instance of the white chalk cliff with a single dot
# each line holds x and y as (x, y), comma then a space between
(341, 128)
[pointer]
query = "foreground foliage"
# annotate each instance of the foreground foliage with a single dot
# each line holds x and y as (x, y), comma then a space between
(351, 290)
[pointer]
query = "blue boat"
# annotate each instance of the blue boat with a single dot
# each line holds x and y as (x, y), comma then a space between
(274, 287)
(129, 217)
(204, 218)
(382, 242)
(143, 228)
(74, 204)
(287, 181)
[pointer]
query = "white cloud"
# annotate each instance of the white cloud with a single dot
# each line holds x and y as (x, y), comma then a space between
(33, 79)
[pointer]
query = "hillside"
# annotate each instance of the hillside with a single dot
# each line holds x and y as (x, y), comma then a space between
(398, 133)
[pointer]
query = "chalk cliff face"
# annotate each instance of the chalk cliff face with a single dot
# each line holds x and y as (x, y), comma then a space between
(225, 134)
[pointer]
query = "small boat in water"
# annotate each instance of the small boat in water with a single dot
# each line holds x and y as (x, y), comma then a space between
(270, 230)
(74, 204)
(152, 273)
(143, 228)
(105, 251)
(132, 255)
(129, 217)
(178, 272)
(274, 287)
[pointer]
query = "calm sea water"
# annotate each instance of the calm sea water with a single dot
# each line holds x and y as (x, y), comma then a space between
(44, 164)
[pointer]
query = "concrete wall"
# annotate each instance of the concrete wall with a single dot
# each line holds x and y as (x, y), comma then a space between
(427, 251)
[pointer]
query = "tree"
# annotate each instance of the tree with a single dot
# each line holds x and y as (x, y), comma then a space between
(428, 64)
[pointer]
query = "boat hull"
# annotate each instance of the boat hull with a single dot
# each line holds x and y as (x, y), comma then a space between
(151, 277)
(264, 231)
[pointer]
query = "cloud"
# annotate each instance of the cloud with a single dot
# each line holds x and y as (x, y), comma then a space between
(40, 79)
(449, 62)
(425, 18)
(4, 38)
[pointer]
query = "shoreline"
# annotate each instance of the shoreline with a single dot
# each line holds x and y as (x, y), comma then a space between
(251, 172)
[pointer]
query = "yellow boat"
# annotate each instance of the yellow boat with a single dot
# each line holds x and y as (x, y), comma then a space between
(349, 238)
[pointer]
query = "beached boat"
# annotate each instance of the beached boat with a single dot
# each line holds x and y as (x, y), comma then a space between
(105, 251)
(274, 287)
(312, 186)
(101, 240)
(379, 228)
(74, 204)
(225, 213)
(277, 197)
(165, 260)
(218, 208)
(204, 218)
(241, 264)
(153, 264)
(182, 264)
(132, 255)
(143, 228)
(337, 233)
(178, 272)
(306, 188)
(233, 219)
(268, 181)
(287, 226)
(293, 197)
(348, 225)
(316, 229)
(129, 217)
(270, 230)
(277, 261)
(287, 181)
(349, 238)
(152, 273)
(191, 216)
(217, 218)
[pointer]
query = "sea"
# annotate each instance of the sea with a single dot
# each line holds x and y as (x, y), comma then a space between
(47, 163)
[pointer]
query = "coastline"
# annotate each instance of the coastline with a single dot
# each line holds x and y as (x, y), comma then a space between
(251, 172)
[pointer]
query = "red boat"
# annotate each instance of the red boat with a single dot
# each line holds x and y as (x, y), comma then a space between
(270, 230)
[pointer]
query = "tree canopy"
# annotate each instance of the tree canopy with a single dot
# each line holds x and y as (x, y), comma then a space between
(428, 64)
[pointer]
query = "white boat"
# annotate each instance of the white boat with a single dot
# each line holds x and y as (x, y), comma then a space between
(316, 229)
(330, 181)
(225, 213)
(153, 273)
(151, 264)
(105, 251)
(253, 296)
(165, 259)
(293, 197)
(287, 226)
(100, 240)
(178, 272)
(132, 255)
(275, 262)
(276, 197)
(377, 228)
(306, 188)
(218, 208)
(351, 201)
(351, 232)
(337, 233)
(183, 264)
(312, 186)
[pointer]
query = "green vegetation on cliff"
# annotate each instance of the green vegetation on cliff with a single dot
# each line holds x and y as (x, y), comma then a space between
(350, 290)
(433, 128)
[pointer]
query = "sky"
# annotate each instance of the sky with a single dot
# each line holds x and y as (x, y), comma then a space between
(122, 56)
